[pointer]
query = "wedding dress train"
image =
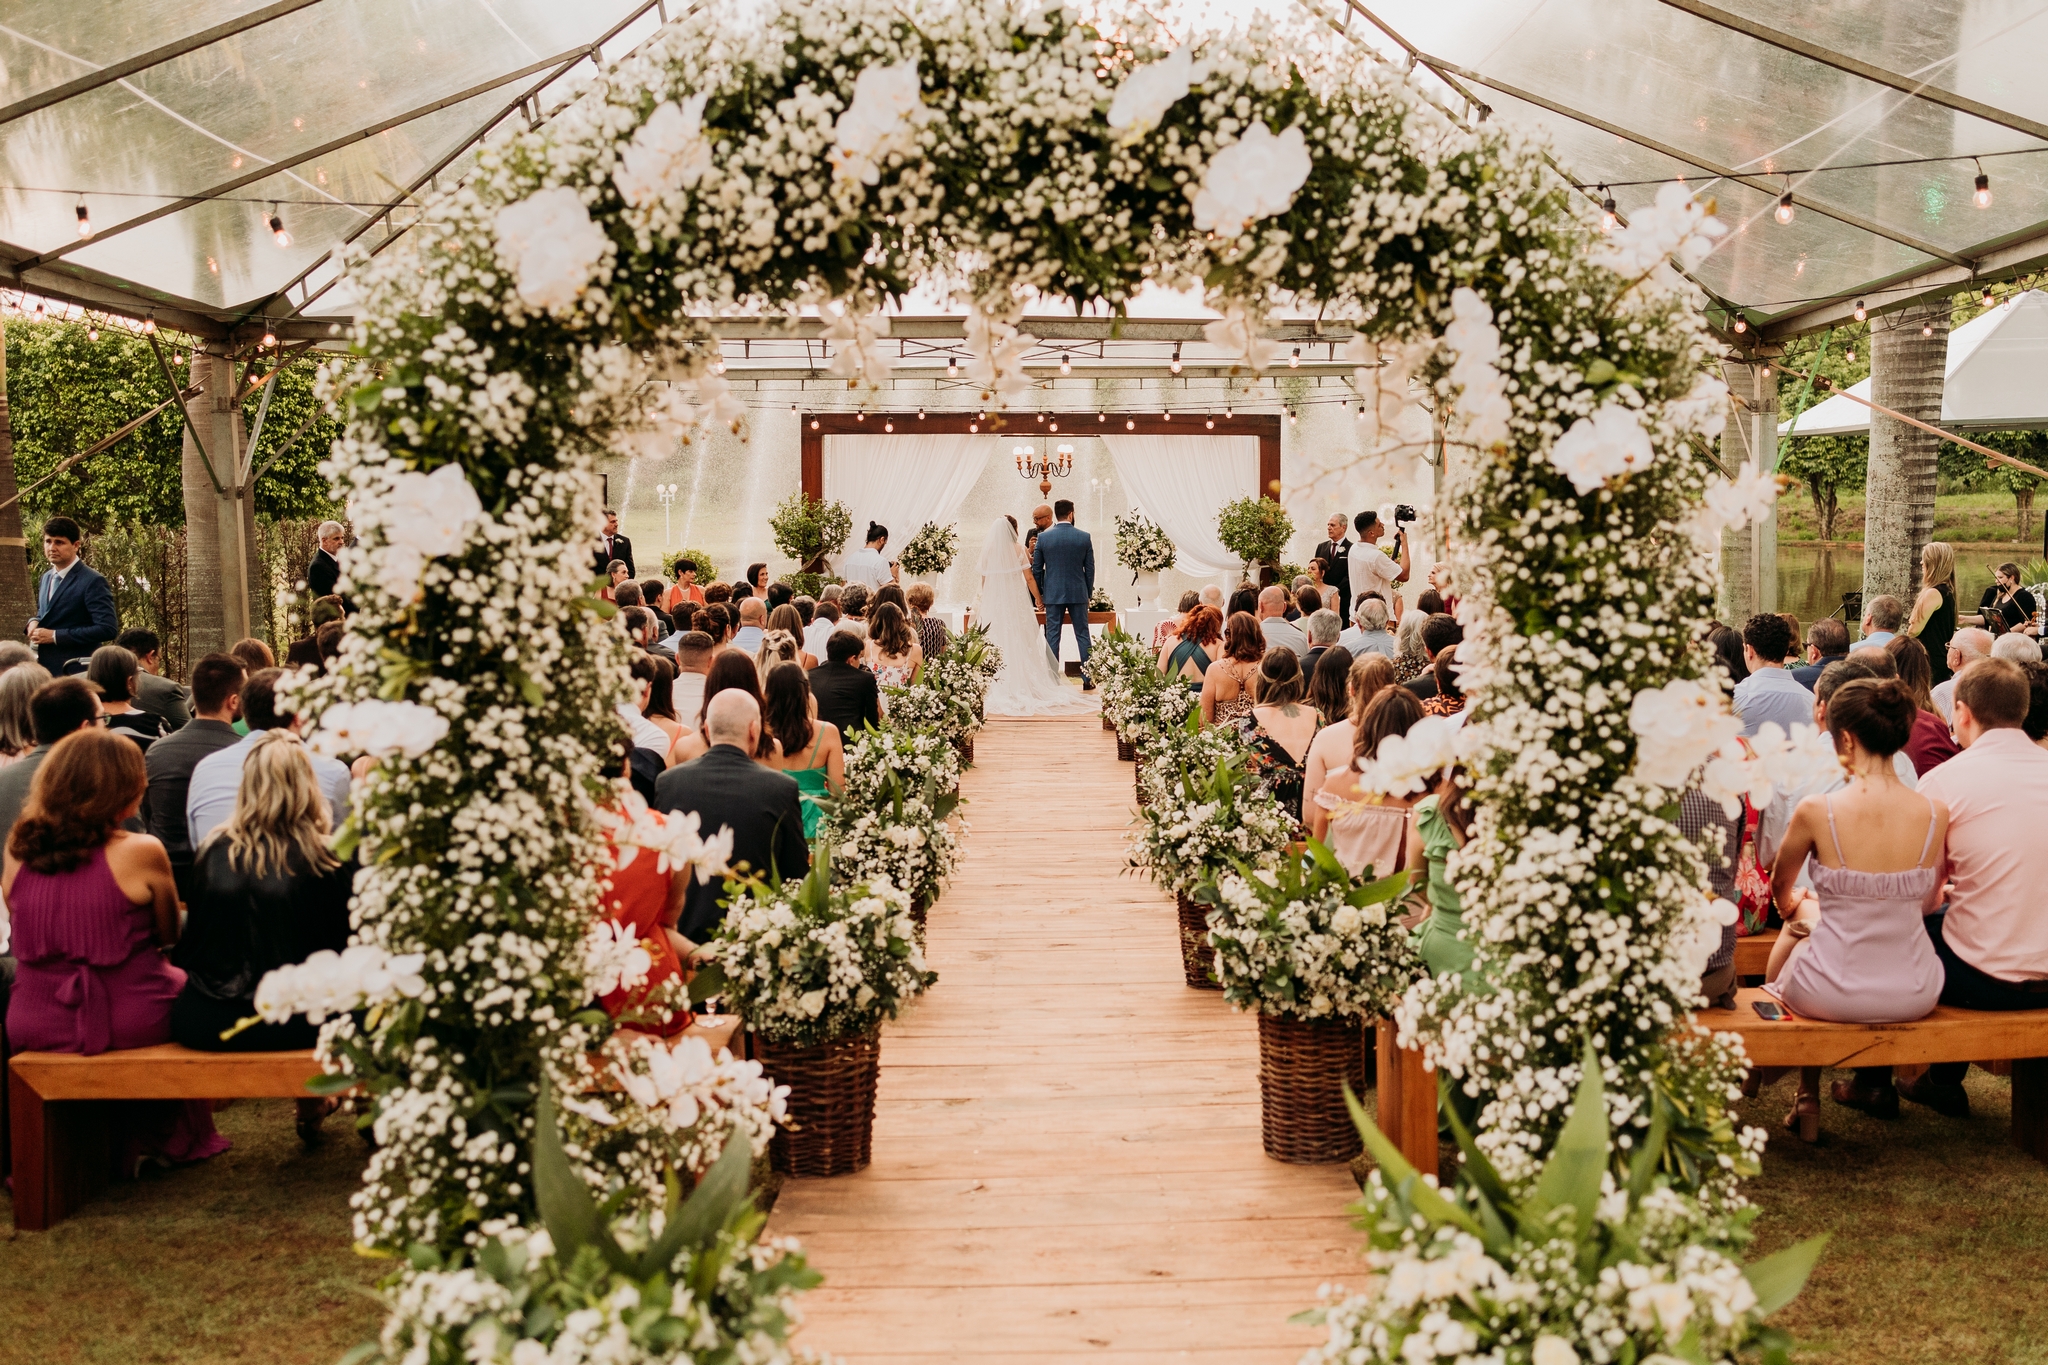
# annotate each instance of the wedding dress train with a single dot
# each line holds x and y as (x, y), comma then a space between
(1029, 683)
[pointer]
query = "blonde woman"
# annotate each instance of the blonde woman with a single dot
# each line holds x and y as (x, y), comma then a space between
(17, 730)
(1934, 611)
(267, 891)
(778, 647)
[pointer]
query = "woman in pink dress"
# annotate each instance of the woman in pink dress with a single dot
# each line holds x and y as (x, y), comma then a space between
(94, 909)
(1858, 953)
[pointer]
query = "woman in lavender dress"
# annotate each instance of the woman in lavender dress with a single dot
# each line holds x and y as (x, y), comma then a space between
(1859, 953)
(93, 909)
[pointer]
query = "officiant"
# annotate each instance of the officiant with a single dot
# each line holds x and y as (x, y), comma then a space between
(1336, 556)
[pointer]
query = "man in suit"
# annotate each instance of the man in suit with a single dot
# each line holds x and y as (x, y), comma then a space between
(216, 696)
(1336, 554)
(305, 652)
(325, 570)
(74, 606)
(611, 546)
(1063, 562)
(727, 789)
(155, 693)
(847, 695)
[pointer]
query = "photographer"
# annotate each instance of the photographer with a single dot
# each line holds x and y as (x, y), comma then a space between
(1372, 569)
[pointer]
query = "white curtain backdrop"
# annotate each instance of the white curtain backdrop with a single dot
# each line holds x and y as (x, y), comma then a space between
(1181, 482)
(902, 481)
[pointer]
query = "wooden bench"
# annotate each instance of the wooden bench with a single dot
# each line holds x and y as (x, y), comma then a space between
(1753, 952)
(1408, 1098)
(62, 1143)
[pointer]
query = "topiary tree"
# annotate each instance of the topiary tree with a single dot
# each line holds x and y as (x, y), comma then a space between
(808, 529)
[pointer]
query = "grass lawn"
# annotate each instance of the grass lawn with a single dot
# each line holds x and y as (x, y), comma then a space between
(1959, 518)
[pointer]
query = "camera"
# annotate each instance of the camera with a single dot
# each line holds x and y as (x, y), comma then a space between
(1403, 514)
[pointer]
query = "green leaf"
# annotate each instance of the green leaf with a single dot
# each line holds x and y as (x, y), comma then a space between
(709, 981)
(1643, 1166)
(1402, 1176)
(1572, 1175)
(1599, 372)
(1778, 1278)
(347, 838)
(423, 1257)
(710, 1206)
(330, 1083)
(565, 1203)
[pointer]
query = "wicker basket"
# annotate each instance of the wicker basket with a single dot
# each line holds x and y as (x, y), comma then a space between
(1138, 782)
(831, 1129)
(918, 906)
(1107, 726)
(1197, 958)
(1303, 1069)
(1126, 751)
(965, 748)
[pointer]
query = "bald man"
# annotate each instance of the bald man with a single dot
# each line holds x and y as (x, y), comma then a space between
(1041, 515)
(1965, 647)
(1275, 626)
(753, 622)
(726, 788)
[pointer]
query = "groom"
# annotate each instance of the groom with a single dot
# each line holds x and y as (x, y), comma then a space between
(1064, 565)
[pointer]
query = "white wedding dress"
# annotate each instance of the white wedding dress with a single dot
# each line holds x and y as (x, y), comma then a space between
(1029, 683)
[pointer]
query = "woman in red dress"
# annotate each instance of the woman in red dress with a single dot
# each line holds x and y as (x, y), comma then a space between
(644, 891)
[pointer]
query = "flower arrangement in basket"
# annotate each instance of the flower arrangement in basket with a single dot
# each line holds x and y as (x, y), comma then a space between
(931, 550)
(873, 756)
(942, 710)
(1141, 546)
(585, 1286)
(968, 664)
(1581, 1264)
(1189, 746)
(814, 968)
(906, 839)
(1115, 660)
(1209, 822)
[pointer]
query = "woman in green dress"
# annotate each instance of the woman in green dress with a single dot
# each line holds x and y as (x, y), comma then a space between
(1439, 824)
(806, 748)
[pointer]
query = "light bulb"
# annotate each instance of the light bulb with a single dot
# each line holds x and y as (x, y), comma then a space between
(888, 426)
(1129, 425)
(952, 368)
(1292, 419)
(1212, 424)
(920, 414)
(1609, 219)
(149, 325)
(1766, 372)
(974, 426)
(92, 333)
(1988, 300)
(1174, 364)
(1166, 416)
(1294, 360)
(860, 417)
(1861, 314)
(1226, 414)
(1784, 209)
(277, 232)
(1055, 426)
(1102, 417)
(1983, 195)
(84, 220)
(814, 424)
(269, 337)
(1849, 354)
(178, 358)
(792, 407)
(39, 310)
(1741, 324)
(1066, 365)
(1927, 329)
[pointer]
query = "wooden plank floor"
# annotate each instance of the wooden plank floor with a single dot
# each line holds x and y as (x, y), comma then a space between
(1067, 1160)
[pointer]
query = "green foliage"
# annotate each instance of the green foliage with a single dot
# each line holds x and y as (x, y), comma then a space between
(1827, 465)
(1971, 470)
(707, 567)
(807, 528)
(66, 391)
(1256, 530)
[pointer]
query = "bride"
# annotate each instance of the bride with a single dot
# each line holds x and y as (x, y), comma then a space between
(1029, 683)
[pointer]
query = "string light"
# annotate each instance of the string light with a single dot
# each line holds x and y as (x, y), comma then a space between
(149, 325)
(1168, 416)
(1102, 417)
(888, 426)
(974, 426)
(269, 337)
(1055, 426)
(1292, 419)
(920, 414)
(1983, 195)
(1609, 219)
(1226, 414)
(814, 424)
(84, 220)
(177, 357)
(1784, 209)
(1927, 329)
(1849, 354)
(1129, 425)
(1988, 300)
(1174, 364)
(1860, 313)
(92, 331)
(792, 407)
(1066, 363)
(277, 232)
(860, 417)
(952, 368)
(1766, 372)
(1741, 323)
(39, 310)
(1212, 424)
(1294, 361)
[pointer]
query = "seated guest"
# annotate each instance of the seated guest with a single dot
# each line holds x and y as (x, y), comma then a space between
(1227, 686)
(1448, 699)
(1274, 625)
(824, 620)
(13, 654)
(685, 588)
(216, 702)
(725, 787)
(1882, 617)
(659, 705)
(1767, 692)
(641, 630)
(217, 778)
(645, 670)
(1308, 600)
(1367, 831)
(1279, 727)
(1322, 627)
(17, 726)
(617, 574)
(1245, 598)
(1369, 634)
(778, 594)
(113, 671)
(719, 620)
(627, 594)
(753, 622)
(777, 647)
(1707, 823)
(1993, 938)
(1329, 686)
(92, 907)
(647, 897)
(1430, 602)
(1189, 656)
(158, 695)
(1439, 632)
(848, 696)
(807, 748)
(729, 670)
(1858, 954)
(1826, 641)
(1965, 647)
(2035, 726)
(2018, 649)
(932, 635)
(266, 892)
(1363, 680)
(329, 639)
(253, 653)
(1931, 744)
(651, 593)
(305, 651)
(790, 622)
(55, 709)
(891, 593)
(1167, 631)
(1438, 826)
(694, 653)
(853, 607)
(1793, 657)
(717, 593)
(831, 592)
(1411, 656)
(893, 655)
(1727, 646)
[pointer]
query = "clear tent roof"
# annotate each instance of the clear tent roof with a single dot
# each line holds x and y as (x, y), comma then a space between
(182, 123)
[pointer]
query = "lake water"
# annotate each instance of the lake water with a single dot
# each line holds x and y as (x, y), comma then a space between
(1811, 580)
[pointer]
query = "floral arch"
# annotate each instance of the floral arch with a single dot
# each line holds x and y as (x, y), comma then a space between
(762, 160)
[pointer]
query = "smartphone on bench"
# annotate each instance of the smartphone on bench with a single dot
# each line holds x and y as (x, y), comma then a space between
(1767, 1009)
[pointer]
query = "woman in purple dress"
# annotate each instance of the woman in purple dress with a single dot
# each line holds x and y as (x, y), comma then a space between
(1860, 955)
(93, 909)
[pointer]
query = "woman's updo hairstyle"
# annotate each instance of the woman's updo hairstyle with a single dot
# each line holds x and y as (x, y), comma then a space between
(1279, 681)
(1879, 712)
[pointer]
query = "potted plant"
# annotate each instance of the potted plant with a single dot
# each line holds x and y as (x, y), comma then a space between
(1256, 530)
(1116, 665)
(1146, 551)
(874, 756)
(808, 529)
(930, 552)
(1315, 955)
(906, 841)
(814, 969)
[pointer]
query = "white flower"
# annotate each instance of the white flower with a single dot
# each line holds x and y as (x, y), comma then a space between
(1595, 450)
(668, 149)
(1678, 727)
(1663, 1303)
(1704, 409)
(1345, 920)
(378, 727)
(1236, 333)
(861, 350)
(995, 357)
(422, 517)
(1553, 1350)
(1406, 763)
(1748, 497)
(551, 245)
(329, 983)
(884, 97)
(1253, 178)
(1770, 760)
(1676, 225)
(1148, 92)
(613, 959)
(1482, 403)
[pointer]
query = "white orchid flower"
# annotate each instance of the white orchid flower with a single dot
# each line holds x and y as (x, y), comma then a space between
(1152, 89)
(668, 149)
(552, 247)
(1253, 178)
(1596, 449)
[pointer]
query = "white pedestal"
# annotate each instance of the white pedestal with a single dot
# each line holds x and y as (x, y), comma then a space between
(1143, 623)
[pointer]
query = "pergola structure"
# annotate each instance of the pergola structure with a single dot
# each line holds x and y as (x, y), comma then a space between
(1870, 158)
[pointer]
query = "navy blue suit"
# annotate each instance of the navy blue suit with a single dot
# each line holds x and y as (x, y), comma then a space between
(80, 608)
(1063, 562)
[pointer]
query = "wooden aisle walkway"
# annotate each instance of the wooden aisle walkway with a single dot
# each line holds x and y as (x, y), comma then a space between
(1067, 1160)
